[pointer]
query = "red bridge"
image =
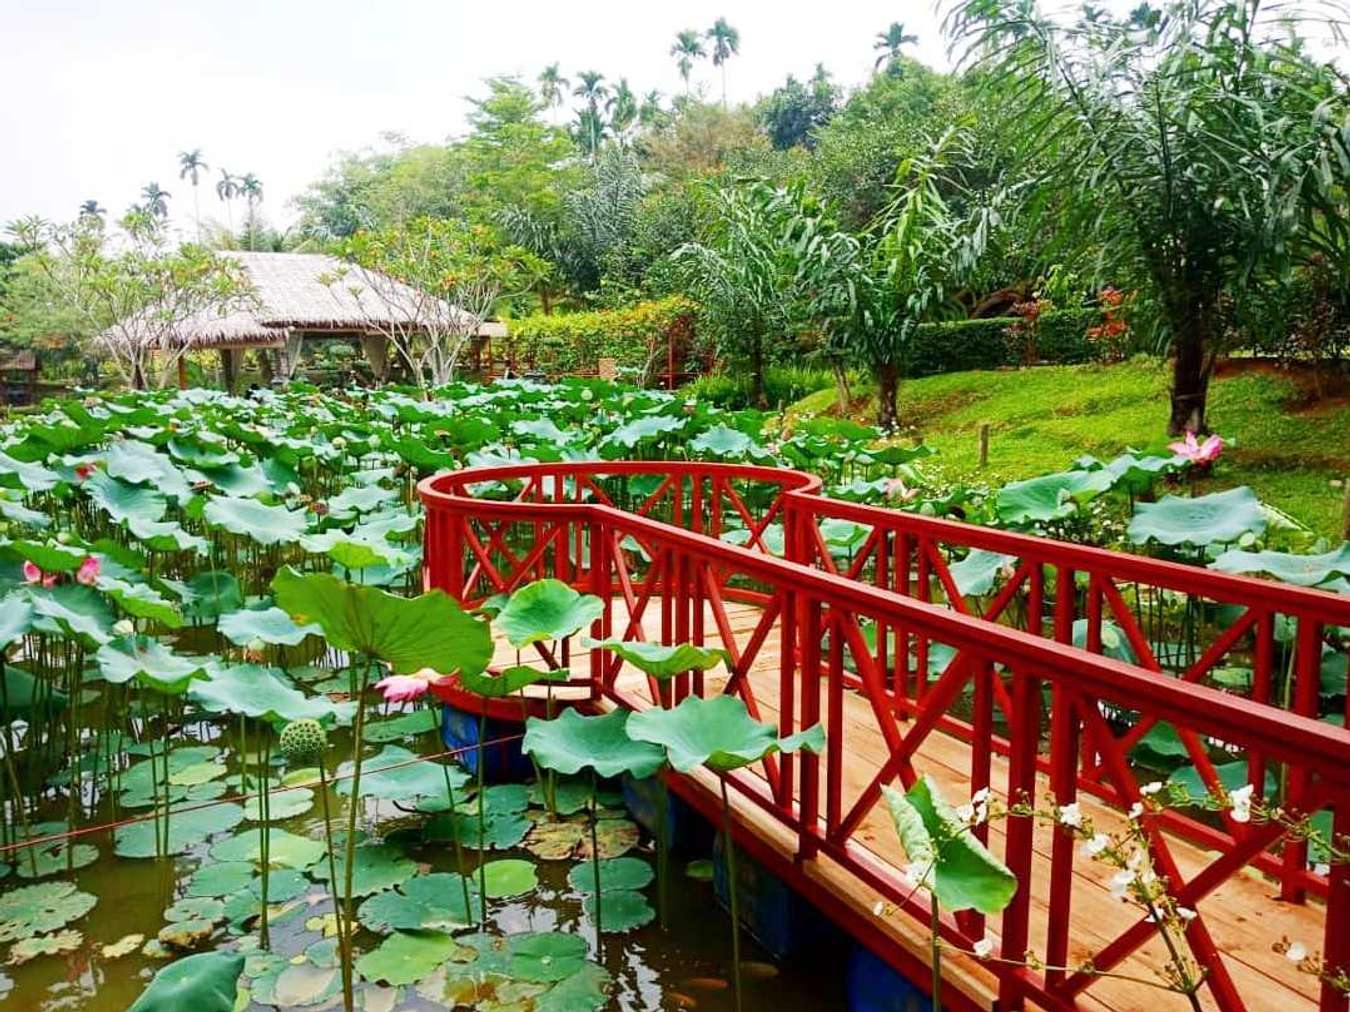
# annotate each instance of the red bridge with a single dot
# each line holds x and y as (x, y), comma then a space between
(855, 616)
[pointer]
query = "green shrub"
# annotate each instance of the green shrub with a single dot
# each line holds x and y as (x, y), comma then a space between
(783, 385)
(572, 344)
(1058, 337)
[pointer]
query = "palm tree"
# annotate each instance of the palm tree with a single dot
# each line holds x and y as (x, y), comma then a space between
(593, 93)
(250, 187)
(688, 48)
(191, 165)
(726, 43)
(622, 108)
(92, 209)
(156, 200)
(890, 42)
(650, 112)
(227, 188)
(552, 86)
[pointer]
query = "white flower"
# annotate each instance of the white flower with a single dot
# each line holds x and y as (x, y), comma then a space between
(1185, 913)
(1241, 800)
(1120, 882)
(965, 813)
(879, 908)
(123, 627)
(915, 874)
(1296, 953)
(983, 947)
(1071, 815)
(1151, 788)
(1322, 869)
(1096, 845)
(980, 796)
(1136, 810)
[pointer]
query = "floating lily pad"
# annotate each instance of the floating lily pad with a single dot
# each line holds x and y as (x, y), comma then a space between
(407, 956)
(434, 901)
(555, 841)
(508, 877)
(220, 878)
(124, 946)
(405, 725)
(52, 859)
(187, 829)
(305, 984)
(500, 830)
(208, 982)
(205, 908)
(44, 945)
(285, 804)
(615, 873)
(374, 867)
(568, 796)
(285, 849)
(397, 774)
(620, 909)
(47, 906)
(282, 884)
(190, 934)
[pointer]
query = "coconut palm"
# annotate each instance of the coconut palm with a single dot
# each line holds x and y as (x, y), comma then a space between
(650, 113)
(688, 47)
(622, 108)
(552, 86)
(590, 124)
(726, 43)
(156, 200)
(227, 188)
(250, 188)
(190, 166)
(890, 42)
(92, 209)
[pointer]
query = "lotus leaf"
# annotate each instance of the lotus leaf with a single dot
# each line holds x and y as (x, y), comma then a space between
(395, 773)
(375, 867)
(1217, 518)
(36, 909)
(271, 625)
(414, 722)
(434, 901)
(123, 501)
(187, 829)
(52, 859)
(267, 525)
(620, 909)
(510, 681)
(546, 610)
(44, 945)
(508, 877)
(219, 878)
(284, 849)
(571, 742)
(1301, 570)
(150, 663)
(659, 660)
(615, 873)
(207, 982)
(717, 732)
(407, 956)
(263, 693)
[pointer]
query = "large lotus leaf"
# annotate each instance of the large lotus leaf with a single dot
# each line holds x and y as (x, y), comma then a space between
(375, 867)
(25, 695)
(977, 573)
(434, 901)
(546, 610)
(428, 631)
(150, 663)
(407, 956)
(31, 477)
(264, 693)
(963, 874)
(1045, 498)
(42, 860)
(1218, 518)
(35, 909)
(570, 743)
(302, 985)
(510, 681)
(414, 722)
(1232, 775)
(220, 878)
(1132, 473)
(723, 441)
(357, 550)
(544, 430)
(271, 625)
(615, 873)
(397, 774)
(16, 618)
(284, 849)
(1301, 570)
(12, 508)
(620, 909)
(631, 433)
(267, 525)
(140, 464)
(141, 600)
(660, 660)
(1114, 641)
(357, 499)
(547, 956)
(195, 452)
(187, 829)
(205, 982)
(76, 611)
(122, 500)
(716, 732)
(238, 482)
(500, 830)
(49, 556)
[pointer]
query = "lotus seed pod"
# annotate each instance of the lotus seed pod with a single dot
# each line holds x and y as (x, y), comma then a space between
(303, 742)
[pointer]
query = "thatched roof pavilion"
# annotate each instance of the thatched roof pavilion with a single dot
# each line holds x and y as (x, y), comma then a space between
(298, 295)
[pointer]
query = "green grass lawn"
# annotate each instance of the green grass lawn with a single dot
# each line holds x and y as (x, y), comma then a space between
(1042, 418)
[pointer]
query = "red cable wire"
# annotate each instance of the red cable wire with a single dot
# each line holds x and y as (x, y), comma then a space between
(239, 798)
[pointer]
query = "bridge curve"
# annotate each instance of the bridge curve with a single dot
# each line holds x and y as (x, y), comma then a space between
(993, 674)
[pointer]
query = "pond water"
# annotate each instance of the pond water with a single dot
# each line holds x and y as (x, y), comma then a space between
(683, 966)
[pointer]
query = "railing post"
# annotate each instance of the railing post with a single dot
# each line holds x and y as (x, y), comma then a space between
(808, 611)
(601, 587)
(1336, 930)
(1307, 683)
(1064, 746)
(1024, 735)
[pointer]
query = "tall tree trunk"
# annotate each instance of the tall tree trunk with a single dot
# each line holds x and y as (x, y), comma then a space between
(757, 397)
(841, 390)
(1192, 364)
(888, 387)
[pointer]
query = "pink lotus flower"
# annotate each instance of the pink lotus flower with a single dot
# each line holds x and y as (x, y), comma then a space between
(402, 688)
(83, 471)
(87, 574)
(1198, 453)
(32, 574)
(897, 489)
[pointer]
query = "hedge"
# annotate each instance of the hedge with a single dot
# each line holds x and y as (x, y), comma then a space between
(563, 344)
(1059, 337)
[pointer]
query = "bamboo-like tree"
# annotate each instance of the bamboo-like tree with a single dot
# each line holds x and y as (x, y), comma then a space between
(726, 43)
(190, 166)
(890, 43)
(156, 200)
(688, 47)
(1181, 150)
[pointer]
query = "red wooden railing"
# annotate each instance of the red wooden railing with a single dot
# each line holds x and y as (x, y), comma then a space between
(883, 617)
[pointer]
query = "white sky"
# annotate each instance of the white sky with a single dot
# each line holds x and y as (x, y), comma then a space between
(101, 96)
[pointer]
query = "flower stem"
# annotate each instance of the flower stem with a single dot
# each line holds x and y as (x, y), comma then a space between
(729, 848)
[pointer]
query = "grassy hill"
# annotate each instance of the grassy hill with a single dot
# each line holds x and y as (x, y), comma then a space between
(1286, 446)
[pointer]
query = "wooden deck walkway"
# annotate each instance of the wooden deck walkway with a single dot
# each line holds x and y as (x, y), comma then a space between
(1244, 915)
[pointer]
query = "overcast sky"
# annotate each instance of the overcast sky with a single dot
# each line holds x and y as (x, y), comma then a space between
(101, 95)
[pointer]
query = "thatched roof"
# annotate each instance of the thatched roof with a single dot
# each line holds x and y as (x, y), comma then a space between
(305, 291)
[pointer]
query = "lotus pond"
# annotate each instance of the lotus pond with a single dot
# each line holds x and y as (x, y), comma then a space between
(211, 644)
